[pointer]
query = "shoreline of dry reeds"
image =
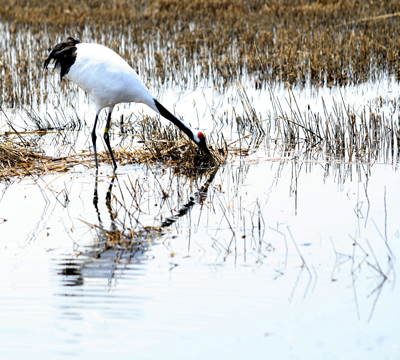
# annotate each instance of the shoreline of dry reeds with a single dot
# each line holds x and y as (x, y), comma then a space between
(298, 42)
(339, 134)
(18, 160)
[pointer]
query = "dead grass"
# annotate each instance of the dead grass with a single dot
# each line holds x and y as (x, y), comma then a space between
(19, 160)
(168, 147)
(324, 42)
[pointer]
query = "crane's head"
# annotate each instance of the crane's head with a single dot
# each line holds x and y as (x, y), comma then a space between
(200, 140)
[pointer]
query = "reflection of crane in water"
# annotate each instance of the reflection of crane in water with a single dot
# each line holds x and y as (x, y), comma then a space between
(200, 197)
(102, 259)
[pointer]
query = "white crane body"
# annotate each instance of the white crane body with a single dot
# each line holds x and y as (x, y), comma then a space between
(107, 77)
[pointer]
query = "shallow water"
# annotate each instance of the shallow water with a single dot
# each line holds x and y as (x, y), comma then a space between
(254, 268)
(279, 254)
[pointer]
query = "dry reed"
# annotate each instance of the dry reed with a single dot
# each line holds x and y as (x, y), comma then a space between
(174, 41)
(323, 42)
(168, 147)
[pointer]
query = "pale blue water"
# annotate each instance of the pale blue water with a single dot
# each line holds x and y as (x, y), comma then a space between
(202, 290)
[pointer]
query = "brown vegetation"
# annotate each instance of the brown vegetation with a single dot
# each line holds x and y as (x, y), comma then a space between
(168, 146)
(326, 42)
(323, 42)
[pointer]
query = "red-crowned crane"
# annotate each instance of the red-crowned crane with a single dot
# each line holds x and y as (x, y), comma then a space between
(109, 80)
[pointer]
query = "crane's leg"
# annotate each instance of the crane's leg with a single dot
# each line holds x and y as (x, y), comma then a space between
(107, 138)
(94, 137)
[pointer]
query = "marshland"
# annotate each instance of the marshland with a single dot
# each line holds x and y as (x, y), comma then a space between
(288, 249)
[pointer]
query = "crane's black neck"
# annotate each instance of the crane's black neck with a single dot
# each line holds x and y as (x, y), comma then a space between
(180, 124)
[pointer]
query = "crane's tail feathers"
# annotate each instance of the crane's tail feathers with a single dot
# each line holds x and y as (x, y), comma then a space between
(63, 55)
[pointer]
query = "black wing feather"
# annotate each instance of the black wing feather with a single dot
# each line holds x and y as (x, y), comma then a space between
(64, 55)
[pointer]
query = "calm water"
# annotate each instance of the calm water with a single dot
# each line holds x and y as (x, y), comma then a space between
(226, 280)
(275, 256)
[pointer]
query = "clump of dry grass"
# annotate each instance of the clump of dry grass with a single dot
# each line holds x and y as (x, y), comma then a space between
(21, 159)
(168, 147)
(11, 154)
(18, 159)
(176, 153)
